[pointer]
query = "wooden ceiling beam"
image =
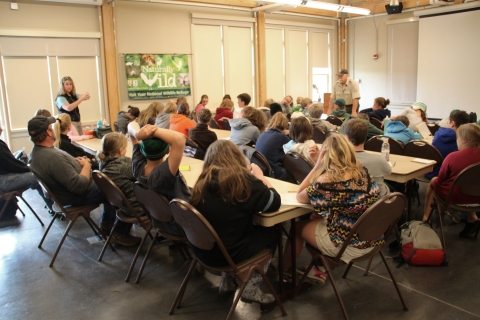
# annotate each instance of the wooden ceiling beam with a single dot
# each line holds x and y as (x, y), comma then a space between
(234, 3)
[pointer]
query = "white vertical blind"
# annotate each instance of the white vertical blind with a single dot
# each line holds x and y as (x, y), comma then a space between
(239, 62)
(275, 64)
(319, 49)
(296, 58)
(28, 88)
(207, 61)
(402, 62)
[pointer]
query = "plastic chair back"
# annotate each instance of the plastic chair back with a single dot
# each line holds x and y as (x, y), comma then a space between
(424, 150)
(375, 144)
(213, 124)
(318, 136)
(157, 205)
(334, 120)
(377, 123)
(297, 166)
(226, 125)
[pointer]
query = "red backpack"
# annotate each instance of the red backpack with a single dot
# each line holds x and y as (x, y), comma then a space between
(421, 245)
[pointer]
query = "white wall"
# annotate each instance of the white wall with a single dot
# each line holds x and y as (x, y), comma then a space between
(362, 45)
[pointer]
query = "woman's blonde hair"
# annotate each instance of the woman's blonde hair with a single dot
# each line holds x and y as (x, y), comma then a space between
(227, 104)
(256, 117)
(170, 107)
(225, 170)
(61, 90)
(149, 114)
(43, 112)
(470, 133)
(112, 143)
(62, 124)
(268, 102)
(278, 121)
(340, 158)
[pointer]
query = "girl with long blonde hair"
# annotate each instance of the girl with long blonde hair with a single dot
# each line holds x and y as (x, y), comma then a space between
(163, 119)
(228, 193)
(340, 190)
(270, 144)
(148, 115)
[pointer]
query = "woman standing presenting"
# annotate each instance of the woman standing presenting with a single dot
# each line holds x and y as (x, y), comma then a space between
(68, 101)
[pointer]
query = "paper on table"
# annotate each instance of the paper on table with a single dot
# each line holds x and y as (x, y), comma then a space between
(290, 199)
(423, 160)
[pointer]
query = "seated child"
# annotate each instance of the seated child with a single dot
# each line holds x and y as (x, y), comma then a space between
(124, 118)
(301, 132)
(398, 130)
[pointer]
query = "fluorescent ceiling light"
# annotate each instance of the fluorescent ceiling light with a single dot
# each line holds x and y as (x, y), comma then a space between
(324, 6)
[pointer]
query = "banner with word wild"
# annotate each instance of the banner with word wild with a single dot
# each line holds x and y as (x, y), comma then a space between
(157, 76)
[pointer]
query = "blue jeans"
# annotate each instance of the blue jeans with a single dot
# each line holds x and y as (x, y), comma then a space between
(95, 196)
(14, 181)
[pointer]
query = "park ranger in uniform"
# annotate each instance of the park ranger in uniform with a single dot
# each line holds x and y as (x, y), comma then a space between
(346, 88)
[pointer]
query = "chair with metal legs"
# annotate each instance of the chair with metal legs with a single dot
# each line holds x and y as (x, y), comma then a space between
(9, 196)
(159, 209)
(201, 234)
(380, 219)
(117, 199)
(71, 213)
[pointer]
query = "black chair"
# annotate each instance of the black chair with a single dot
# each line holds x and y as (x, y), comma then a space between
(334, 120)
(117, 199)
(9, 196)
(71, 213)
(255, 156)
(318, 136)
(297, 166)
(469, 184)
(201, 234)
(421, 149)
(424, 150)
(380, 219)
(375, 144)
(433, 127)
(213, 124)
(159, 209)
(226, 125)
(377, 123)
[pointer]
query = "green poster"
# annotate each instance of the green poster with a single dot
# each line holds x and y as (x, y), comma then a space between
(157, 76)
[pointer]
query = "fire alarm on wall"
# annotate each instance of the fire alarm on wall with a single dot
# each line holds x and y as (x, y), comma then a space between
(375, 56)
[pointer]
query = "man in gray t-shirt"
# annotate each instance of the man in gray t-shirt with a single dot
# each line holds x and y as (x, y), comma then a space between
(70, 179)
(356, 131)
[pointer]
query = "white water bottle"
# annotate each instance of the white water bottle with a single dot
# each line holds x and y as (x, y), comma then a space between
(386, 150)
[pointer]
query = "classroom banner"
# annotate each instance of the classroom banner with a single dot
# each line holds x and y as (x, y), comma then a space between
(157, 76)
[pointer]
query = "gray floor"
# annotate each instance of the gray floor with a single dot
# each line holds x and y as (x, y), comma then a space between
(80, 287)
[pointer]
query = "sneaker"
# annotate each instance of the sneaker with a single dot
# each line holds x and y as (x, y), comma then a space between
(470, 229)
(105, 229)
(227, 284)
(316, 275)
(127, 240)
(455, 216)
(257, 296)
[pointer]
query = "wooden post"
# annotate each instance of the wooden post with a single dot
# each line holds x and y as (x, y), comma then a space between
(110, 61)
(261, 59)
(343, 41)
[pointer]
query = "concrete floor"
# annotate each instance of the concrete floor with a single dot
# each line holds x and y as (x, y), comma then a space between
(80, 287)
